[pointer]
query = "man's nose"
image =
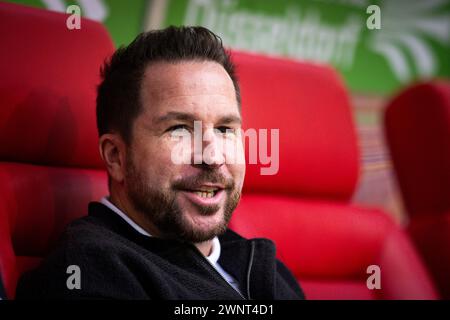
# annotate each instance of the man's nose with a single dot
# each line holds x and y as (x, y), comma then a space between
(211, 150)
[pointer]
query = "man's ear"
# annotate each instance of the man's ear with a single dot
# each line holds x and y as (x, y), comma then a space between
(112, 150)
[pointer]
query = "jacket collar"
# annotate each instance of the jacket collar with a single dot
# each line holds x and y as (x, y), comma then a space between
(250, 262)
(106, 217)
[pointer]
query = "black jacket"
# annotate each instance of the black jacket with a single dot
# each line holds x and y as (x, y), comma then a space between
(117, 262)
(2, 290)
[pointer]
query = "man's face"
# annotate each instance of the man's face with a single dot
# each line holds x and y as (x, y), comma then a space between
(192, 202)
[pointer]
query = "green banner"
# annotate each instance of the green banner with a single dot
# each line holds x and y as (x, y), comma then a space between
(413, 41)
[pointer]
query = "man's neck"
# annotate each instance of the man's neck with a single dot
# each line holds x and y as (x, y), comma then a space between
(125, 206)
(204, 247)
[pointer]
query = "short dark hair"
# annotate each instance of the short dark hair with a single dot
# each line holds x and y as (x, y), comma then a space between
(118, 95)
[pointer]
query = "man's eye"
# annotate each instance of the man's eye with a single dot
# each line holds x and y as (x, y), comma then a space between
(225, 130)
(178, 127)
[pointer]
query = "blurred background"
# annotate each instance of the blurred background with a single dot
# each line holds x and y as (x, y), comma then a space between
(412, 44)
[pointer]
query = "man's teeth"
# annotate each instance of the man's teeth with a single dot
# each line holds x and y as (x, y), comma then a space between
(207, 194)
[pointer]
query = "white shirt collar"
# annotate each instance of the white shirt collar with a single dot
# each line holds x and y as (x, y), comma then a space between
(215, 251)
(110, 205)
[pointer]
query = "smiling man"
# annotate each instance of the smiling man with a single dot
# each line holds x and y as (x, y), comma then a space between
(162, 232)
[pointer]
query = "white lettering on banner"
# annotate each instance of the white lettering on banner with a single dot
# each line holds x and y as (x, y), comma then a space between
(301, 35)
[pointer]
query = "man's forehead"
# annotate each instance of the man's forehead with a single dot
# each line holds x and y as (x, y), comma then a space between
(168, 79)
(198, 88)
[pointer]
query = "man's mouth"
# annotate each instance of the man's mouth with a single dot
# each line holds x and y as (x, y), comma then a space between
(204, 195)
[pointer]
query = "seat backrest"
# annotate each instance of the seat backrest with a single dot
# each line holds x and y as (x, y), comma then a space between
(49, 163)
(316, 135)
(417, 124)
(327, 243)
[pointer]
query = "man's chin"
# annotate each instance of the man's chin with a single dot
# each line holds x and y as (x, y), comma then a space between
(200, 227)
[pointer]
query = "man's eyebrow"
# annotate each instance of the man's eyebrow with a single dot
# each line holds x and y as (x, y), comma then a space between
(183, 116)
(174, 115)
(230, 119)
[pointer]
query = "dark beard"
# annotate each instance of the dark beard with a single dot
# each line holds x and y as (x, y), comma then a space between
(162, 211)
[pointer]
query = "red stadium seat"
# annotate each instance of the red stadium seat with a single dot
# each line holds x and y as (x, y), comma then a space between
(418, 132)
(49, 162)
(326, 242)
